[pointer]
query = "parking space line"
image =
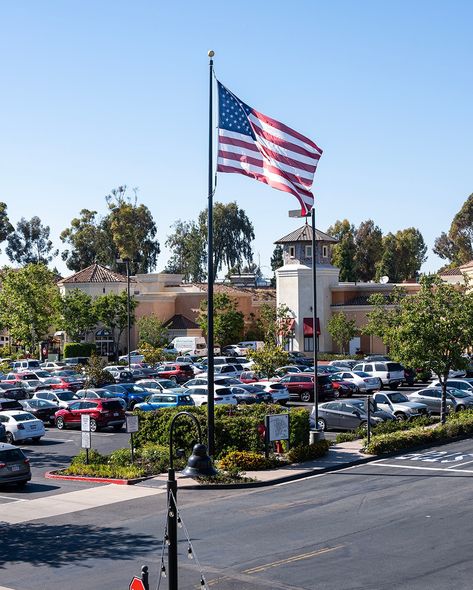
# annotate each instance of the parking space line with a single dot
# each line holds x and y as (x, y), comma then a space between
(287, 560)
(460, 464)
(450, 469)
(14, 500)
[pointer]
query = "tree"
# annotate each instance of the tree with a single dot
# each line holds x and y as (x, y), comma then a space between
(268, 359)
(275, 322)
(29, 303)
(96, 375)
(343, 253)
(233, 233)
(152, 332)
(432, 328)
(368, 240)
(89, 240)
(342, 329)
(277, 261)
(78, 314)
(403, 255)
(152, 354)
(111, 311)
(30, 243)
(188, 247)
(133, 230)
(457, 245)
(228, 321)
(6, 228)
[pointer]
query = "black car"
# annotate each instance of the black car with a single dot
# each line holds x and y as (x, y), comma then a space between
(40, 408)
(14, 466)
(9, 404)
(11, 391)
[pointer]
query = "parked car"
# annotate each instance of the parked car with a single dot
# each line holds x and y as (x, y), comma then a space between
(385, 415)
(376, 357)
(14, 466)
(9, 404)
(225, 371)
(202, 380)
(344, 363)
(77, 360)
(299, 358)
(249, 377)
(131, 392)
(11, 391)
(121, 374)
(21, 425)
(250, 394)
(222, 395)
(25, 364)
(364, 382)
(465, 384)
(457, 400)
(301, 385)
(177, 397)
(53, 365)
(400, 405)
(103, 413)
(178, 372)
(33, 385)
(341, 415)
(390, 373)
(61, 398)
(156, 385)
(99, 393)
(344, 388)
(135, 357)
(281, 371)
(42, 409)
(278, 391)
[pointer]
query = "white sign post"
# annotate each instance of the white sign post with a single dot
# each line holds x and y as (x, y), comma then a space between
(86, 442)
(277, 429)
(132, 425)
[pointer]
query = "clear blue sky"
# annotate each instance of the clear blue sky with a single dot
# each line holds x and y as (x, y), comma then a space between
(98, 94)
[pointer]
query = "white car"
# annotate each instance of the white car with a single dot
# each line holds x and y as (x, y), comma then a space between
(222, 381)
(465, 384)
(222, 395)
(53, 365)
(158, 385)
(278, 391)
(400, 405)
(135, 357)
(20, 425)
(225, 371)
(362, 380)
(61, 398)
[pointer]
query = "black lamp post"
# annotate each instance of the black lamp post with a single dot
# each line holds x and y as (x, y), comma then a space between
(199, 464)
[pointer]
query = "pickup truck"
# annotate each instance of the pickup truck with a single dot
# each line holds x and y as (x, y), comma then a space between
(400, 406)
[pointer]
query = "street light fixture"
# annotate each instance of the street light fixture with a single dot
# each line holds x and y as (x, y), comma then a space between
(199, 464)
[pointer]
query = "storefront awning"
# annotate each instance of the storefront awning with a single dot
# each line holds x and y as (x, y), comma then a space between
(308, 324)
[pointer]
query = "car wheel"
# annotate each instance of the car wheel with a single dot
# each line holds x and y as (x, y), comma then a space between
(118, 427)
(21, 484)
(400, 416)
(10, 438)
(394, 386)
(321, 424)
(305, 396)
(36, 439)
(363, 425)
(173, 378)
(336, 393)
(460, 408)
(93, 425)
(60, 423)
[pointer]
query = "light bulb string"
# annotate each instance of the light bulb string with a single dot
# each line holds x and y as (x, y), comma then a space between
(162, 565)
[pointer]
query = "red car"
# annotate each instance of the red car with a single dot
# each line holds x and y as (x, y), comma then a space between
(301, 385)
(178, 372)
(63, 383)
(103, 413)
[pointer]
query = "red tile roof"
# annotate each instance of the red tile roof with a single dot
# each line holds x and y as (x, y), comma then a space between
(95, 273)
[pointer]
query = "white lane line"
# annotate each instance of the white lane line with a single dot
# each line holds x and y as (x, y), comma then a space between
(302, 479)
(14, 500)
(460, 464)
(47, 507)
(5, 588)
(423, 468)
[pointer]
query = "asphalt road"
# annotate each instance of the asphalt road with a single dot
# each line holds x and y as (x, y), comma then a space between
(398, 523)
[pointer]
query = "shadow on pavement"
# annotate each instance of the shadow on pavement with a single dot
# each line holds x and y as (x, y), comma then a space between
(65, 544)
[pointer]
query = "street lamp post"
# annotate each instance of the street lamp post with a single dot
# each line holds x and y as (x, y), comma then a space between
(127, 261)
(199, 464)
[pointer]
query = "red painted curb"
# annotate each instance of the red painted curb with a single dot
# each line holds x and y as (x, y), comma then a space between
(123, 482)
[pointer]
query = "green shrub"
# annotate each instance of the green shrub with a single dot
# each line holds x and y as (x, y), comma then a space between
(120, 457)
(236, 429)
(100, 470)
(346, 437)
(248, 461)
(398, 425)
(94, 457)
(303, 453)
(72, 349)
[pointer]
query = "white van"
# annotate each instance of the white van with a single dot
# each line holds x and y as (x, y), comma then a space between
(191, 344)
(251, 344)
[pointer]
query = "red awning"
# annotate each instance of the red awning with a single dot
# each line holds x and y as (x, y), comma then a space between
(309, 326)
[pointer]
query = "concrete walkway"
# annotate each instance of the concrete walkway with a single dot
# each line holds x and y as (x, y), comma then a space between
(340, 456)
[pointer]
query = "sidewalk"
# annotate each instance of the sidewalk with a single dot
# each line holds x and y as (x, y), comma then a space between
(340, 456)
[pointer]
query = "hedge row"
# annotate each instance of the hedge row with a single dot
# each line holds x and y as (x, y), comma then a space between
(459, 424)
(73, 349)
(236, 429)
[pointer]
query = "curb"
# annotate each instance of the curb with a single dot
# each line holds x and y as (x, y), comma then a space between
(124, 482)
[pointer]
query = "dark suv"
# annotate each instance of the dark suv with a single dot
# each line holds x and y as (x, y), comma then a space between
(301, 385)
(14, 466)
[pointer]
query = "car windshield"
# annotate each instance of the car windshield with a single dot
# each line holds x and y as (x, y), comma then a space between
(67, 396)
(397, 397)
(166, 383)
(24, 417)
(135, 388)
(457, 392)
(361, 374)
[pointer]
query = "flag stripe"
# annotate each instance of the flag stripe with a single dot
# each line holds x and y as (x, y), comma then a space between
(285, 129)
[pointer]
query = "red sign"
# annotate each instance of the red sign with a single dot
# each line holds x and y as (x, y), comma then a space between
(136, 584)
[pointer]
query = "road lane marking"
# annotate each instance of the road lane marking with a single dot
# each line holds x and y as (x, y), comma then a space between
(262, 568)
(47, 506)
(450, 469)
(14, 500)
(460, 464)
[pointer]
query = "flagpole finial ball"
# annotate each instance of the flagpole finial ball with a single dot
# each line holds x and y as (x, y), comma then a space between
(211, 53)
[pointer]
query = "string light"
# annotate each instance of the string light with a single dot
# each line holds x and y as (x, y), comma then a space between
(163, 570)
(166, 539)
(190, 554)
(179, 521)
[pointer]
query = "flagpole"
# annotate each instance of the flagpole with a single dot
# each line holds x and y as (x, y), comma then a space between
(314, 320)
(210, 279)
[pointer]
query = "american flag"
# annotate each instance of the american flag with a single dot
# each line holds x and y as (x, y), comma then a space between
(253, 144)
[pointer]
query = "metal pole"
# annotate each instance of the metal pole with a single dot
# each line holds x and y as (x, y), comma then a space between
(172, 529)
(210, 279)
(127, 261)
(145, 576)
(314, 320)
(368, 412)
